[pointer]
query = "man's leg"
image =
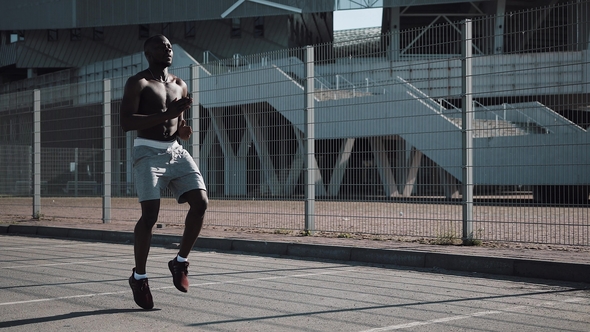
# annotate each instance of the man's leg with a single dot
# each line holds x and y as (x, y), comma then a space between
(143, 233)
(141, 246)
(198, 201)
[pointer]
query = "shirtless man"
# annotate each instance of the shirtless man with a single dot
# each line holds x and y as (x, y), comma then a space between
(153, 104)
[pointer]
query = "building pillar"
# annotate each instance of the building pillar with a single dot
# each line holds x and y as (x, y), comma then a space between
(390, 28)
(499, 27)
(31, 72)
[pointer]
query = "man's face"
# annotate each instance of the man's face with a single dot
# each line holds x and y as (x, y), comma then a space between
(160, 52)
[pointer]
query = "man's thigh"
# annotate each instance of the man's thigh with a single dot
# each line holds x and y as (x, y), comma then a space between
(196, 198)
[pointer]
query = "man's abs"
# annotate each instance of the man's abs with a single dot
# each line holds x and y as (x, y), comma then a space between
(159, 133)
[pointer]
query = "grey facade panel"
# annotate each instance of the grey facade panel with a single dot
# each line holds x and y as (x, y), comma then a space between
(213, 35)
(37, 52)
(40, 14)
(8, 54)
(65, 14)
(355, 4)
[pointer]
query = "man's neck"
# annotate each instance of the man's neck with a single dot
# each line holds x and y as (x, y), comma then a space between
(159, 74)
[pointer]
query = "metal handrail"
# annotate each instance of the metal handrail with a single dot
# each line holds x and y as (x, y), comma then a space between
(422, 95)
(237, 57)
(207, 54)
(322, 85)
(486, 109)
(371, 82)
(528, 118)
(443, 101)
(340, 77)
(504, 118)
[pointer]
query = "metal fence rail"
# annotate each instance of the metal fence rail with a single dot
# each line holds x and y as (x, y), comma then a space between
(405, 137)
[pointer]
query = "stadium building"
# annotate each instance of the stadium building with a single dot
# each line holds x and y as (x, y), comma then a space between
(57, 43)
(40, 37)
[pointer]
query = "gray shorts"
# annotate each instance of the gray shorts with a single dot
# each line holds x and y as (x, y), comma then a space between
(159, 165)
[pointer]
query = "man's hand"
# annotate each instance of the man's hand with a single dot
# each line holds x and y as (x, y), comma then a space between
(178, 106)
(184, 131)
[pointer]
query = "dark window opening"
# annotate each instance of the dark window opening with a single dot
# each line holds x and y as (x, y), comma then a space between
(258, 27)
(98, 34)
(52, 35)
(166, 28)
(189, 29)
(75, 34)
(236, 28)
(144, 31)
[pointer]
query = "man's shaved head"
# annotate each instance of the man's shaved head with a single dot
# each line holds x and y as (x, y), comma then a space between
(152, 40)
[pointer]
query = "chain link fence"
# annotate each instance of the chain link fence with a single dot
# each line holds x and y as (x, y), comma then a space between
(424, 133)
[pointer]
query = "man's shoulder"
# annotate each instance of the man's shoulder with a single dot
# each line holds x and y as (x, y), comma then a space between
(178, 80)
(138, 79)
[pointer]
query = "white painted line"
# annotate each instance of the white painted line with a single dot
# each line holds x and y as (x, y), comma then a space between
(29, 266)
(170, 287)
(51, 246)
(476, 314)
(130, 258)
(61, 298)
(433, 321)
(273, 278)
(574, 300)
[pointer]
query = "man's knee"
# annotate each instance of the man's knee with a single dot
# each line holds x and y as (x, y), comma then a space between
(149, 213)
(200, 205)
(147, 222)
(198, 200)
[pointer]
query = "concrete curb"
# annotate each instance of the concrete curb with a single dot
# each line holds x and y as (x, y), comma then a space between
(416, 259)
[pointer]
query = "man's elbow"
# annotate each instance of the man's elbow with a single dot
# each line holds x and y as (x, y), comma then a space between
(127, 127)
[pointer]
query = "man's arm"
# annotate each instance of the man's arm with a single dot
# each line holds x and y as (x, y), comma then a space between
(184, 131)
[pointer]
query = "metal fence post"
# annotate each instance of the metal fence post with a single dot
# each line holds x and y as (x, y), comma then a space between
(309, 140)
(195, 110)
(36, 153)
(466, 131)
(107, 168)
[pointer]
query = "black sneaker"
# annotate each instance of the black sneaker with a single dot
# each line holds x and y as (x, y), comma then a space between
(141, 292)
(179, 274)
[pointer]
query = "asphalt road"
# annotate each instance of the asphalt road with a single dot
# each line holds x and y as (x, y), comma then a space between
(63, 285)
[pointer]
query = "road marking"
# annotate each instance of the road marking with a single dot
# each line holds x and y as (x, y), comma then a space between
(574, 300)
(476, 314)
(433, 321)
(61, 298)
(52, 246)
(29, 266)
(170, 287)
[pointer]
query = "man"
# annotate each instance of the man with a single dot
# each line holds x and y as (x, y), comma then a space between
(153, 104)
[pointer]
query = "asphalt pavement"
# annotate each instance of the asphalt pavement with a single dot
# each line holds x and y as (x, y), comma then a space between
(79, 283)
(551, 263)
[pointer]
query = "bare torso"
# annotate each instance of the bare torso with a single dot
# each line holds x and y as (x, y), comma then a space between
(154, 98)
